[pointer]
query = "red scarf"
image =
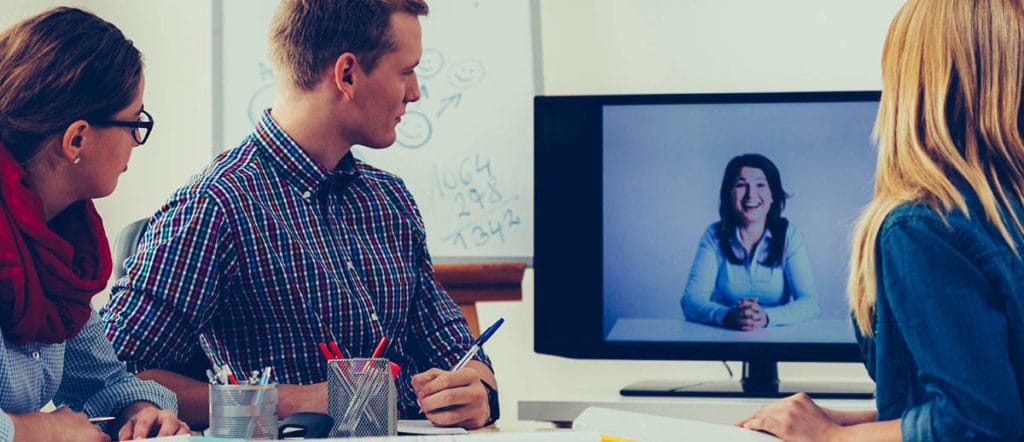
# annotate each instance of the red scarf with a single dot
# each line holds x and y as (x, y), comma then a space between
(48, 273)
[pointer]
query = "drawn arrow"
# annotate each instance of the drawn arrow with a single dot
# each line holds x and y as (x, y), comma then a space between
(452, 100)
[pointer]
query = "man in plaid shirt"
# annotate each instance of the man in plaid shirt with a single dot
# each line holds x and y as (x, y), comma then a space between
(288, 240)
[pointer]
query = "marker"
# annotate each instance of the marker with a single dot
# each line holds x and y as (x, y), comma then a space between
(478, 344)
(265, 376)
(208, 351)
(380, 347)
(323, 349)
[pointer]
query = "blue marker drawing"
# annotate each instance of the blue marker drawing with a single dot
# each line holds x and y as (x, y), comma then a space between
(431, 63)
(466, 74)
(414, 130)
(260, 100)
(451, 100)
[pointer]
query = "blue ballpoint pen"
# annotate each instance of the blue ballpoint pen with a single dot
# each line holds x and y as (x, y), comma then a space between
(478, 343)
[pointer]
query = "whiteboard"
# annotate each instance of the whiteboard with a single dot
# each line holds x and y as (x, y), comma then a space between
(465, 149)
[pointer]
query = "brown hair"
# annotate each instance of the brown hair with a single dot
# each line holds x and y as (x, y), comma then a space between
(952, 81)
(307, 36)
(59, 67)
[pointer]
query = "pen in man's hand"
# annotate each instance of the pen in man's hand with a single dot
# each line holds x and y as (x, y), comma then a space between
(477, 344)
(97, 420)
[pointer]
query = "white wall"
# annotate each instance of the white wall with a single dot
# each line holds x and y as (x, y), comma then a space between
(588, 46)
(651, 46)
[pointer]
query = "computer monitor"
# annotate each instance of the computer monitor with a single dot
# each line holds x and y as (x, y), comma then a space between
(627, 185)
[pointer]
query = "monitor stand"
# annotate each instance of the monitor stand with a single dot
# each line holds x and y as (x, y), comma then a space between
(760, 379)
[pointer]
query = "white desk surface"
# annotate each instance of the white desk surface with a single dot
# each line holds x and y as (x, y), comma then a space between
(563, 410)
(678, 330)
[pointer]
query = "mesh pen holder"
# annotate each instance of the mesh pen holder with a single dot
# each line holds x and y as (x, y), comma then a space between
(243, 411)
(361, 398)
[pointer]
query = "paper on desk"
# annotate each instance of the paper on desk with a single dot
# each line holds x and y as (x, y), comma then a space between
(648, 427)
(494, 436)
(186, 438)
(424, 426)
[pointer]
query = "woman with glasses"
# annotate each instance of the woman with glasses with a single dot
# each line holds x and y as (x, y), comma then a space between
(71, 89)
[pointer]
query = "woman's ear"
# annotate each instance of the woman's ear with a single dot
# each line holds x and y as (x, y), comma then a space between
(344, 68)
(73, 140)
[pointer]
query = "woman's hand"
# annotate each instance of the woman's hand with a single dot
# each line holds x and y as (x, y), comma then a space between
(143, 419)
(62, 424)
(794, 418)
(746, 316)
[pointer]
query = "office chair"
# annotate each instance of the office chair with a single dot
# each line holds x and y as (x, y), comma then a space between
(125, 244)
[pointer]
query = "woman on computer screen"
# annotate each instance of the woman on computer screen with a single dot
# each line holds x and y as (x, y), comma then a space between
(937, 277)
(752, 269)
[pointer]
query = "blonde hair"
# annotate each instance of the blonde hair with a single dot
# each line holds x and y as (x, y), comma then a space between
(307, 36)
(952, 82)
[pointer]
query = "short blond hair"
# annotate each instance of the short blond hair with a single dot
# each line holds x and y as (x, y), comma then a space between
(307, 36)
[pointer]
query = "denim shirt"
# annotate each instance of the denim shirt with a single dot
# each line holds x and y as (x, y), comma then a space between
(82, 373)
(787, 292)
(948, 352)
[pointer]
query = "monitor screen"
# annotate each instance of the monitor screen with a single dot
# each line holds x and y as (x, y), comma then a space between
(646, 243)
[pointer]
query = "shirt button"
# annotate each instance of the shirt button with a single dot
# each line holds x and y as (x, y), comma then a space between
(373, 316)
(306, 194)
(35, 355)
(349, 265)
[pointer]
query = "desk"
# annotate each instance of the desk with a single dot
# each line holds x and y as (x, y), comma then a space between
(825, 331)
(715, 410)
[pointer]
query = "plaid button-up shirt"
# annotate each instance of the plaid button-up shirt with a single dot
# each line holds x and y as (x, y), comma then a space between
(266, 239)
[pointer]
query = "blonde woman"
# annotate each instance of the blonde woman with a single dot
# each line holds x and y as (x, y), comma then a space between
(937, 278)
(71, 88)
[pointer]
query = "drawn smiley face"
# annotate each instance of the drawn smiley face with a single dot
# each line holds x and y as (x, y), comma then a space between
(414, 130)
(262, 99)
(431, 63)
(466, 74)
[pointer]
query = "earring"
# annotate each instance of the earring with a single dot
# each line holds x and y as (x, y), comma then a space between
(77, 160)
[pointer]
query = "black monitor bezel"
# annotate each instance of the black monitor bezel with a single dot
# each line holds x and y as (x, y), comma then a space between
(568, 296)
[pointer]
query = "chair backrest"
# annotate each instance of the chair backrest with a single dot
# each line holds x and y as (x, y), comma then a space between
(126, 243)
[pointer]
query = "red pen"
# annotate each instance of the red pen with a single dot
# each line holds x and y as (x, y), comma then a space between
(327, 354)
(380, 347)
(231, 376)
(335, 350)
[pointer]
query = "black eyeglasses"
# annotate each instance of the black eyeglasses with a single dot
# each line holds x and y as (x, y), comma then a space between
(142, 128)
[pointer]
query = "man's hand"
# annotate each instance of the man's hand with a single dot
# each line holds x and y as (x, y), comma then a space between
(455, 399)
(293, 398)
(143, 419)
(194, 396)
(63, 424)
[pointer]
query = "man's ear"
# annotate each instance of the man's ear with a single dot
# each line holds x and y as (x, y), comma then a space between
(344, 69)
(73, 140)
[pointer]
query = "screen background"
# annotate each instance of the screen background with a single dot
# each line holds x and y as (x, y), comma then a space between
(662, 168)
